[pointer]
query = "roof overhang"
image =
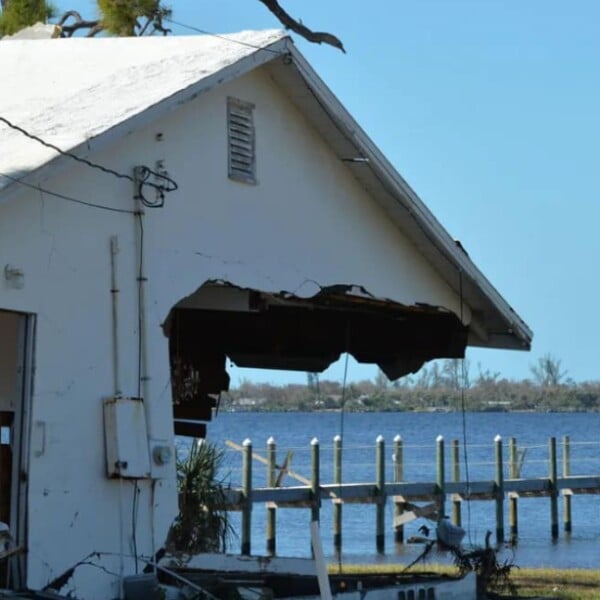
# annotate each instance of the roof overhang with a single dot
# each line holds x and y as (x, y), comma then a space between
(494, 323)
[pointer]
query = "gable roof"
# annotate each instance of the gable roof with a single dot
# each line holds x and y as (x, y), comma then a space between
(70, 91)
(85, 93)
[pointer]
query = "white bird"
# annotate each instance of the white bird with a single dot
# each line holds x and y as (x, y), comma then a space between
(451, 535)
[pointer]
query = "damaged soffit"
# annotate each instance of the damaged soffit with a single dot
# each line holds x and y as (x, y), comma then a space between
(284, 331)
(494, 322)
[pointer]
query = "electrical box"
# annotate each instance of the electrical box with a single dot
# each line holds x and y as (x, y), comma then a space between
(126, 438)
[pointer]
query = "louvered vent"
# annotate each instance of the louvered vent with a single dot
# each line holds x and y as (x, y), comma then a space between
(240, 130)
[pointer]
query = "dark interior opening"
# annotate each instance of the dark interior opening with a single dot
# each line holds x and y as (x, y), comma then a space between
(282, 331)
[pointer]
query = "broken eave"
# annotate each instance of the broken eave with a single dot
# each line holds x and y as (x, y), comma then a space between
(282, 331)
(494, 323)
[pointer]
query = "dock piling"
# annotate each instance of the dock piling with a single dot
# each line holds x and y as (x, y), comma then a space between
(399, 504)
(513, 501)
(499, 480)
(568, 524)
(380, 485)
(337, 502)
(456, 503)
(271, 510)
(315, 479)
(315, 516)
(553, 476)
(441, 475)
(247, 496)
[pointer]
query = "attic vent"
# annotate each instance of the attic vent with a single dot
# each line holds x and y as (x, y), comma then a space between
(241, 138)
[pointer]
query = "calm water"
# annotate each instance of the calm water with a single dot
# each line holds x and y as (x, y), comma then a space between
(293, 431)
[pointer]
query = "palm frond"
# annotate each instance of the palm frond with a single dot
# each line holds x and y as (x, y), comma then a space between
(203, 523)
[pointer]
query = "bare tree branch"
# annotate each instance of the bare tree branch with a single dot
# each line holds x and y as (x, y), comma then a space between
(318, 37)
(70, 13)
(79, 23)
(94, 29)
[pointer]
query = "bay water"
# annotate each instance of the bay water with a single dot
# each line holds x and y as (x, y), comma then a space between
(294, 431)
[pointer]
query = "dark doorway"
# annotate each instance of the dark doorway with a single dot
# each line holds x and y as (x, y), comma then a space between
(16, 369)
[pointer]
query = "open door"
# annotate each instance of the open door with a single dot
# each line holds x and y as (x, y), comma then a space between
(16, 376)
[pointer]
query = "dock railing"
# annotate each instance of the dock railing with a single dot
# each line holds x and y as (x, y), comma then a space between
(505, 483)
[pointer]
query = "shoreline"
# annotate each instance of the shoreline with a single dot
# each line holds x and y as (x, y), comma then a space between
(258, 409)
(527, 582)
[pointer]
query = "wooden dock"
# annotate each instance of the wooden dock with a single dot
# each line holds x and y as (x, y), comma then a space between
(406, 495)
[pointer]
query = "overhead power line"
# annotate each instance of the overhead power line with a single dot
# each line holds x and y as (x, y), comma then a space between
(161, 182)
(39, 188)
(85, 161)
(222, 37)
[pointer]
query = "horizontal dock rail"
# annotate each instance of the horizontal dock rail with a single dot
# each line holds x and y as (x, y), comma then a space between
(405, 494)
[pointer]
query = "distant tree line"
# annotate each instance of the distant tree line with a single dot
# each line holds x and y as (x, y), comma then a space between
(440, 386)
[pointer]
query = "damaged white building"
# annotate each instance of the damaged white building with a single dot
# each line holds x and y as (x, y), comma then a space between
(240, 213)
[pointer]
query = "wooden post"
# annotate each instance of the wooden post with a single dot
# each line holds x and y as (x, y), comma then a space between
(271, 510)
(314, 485)
(553, 489)
(566, 473)
(247, 494)
(456, 516)
(513, 472)
(499, 491)
(380, 484)
(399, 505)
(315, 480)
(513, 512)
(337, 503)
(441, 478)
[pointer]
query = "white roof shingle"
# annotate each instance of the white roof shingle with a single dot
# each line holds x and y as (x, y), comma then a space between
(68, 91)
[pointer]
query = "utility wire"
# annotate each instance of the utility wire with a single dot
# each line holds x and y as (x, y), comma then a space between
(342, 415)
(134, 516)
(221, 37)
(67, 198)
(140, 290)
(162, 182)
(464, 413)
(85, 161)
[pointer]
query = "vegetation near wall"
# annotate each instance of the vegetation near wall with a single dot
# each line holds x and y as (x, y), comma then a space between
(202, 524)
(441, 386)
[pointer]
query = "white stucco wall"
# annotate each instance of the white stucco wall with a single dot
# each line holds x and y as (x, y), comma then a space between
(305, 221)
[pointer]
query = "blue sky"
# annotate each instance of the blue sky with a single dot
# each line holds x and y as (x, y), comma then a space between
(490, 109)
